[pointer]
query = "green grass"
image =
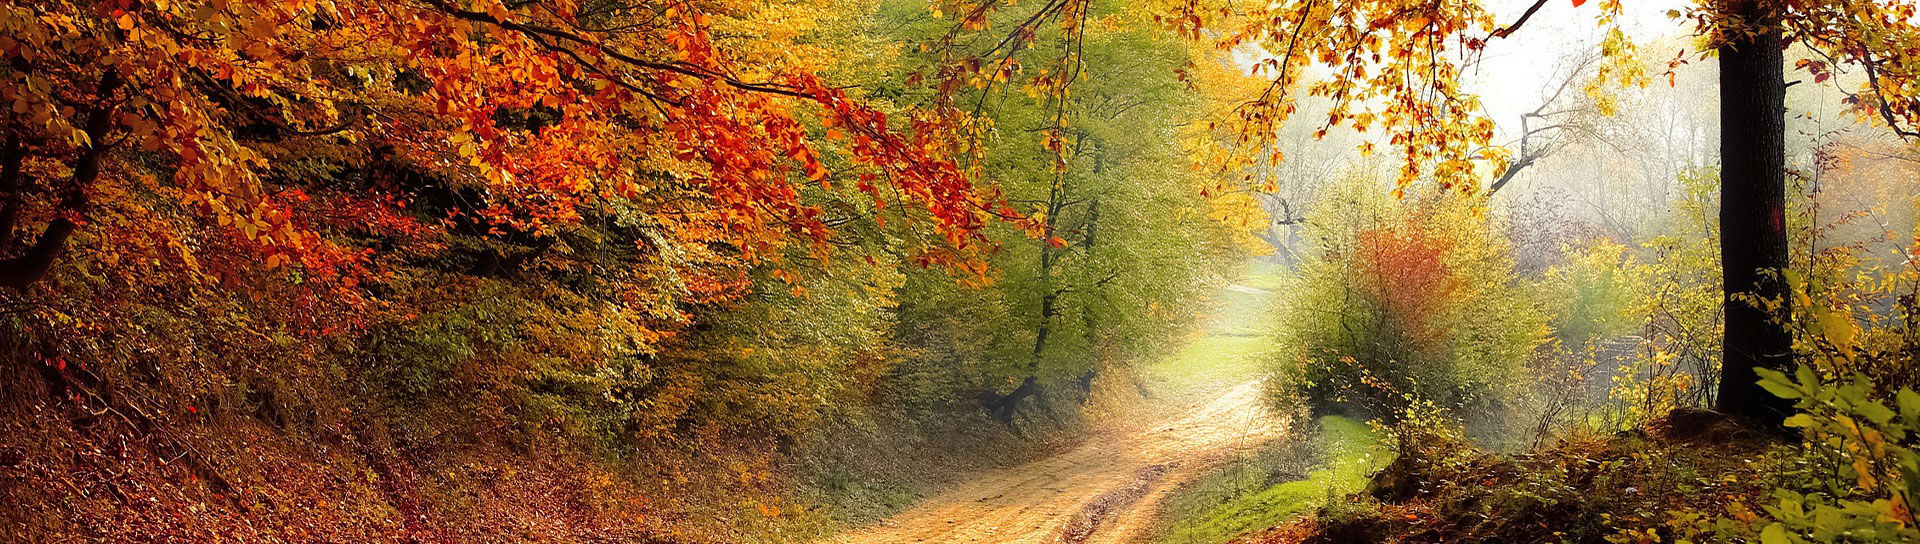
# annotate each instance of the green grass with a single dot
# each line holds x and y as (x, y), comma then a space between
(1235, 342)
(1253, 494)
(1208, 365)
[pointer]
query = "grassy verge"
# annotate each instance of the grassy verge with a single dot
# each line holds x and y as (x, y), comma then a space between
(1275, 486)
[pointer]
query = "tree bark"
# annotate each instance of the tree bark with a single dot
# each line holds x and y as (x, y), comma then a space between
(1508, 175)
(1048, 294)
(1753, 212)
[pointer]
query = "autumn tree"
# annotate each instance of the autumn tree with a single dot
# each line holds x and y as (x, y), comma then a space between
(534, 106)
(382, 167)
(469, 226)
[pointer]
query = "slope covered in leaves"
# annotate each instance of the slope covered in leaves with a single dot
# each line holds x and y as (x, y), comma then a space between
(539, 271)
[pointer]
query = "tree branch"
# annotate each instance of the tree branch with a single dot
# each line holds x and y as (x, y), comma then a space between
(1513, 169)
(596, 46)
(1508, 30)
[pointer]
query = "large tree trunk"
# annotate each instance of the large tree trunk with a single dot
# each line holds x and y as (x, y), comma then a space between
(1753, 236)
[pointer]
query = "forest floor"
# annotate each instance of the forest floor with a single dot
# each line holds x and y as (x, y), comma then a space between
(1110, 489)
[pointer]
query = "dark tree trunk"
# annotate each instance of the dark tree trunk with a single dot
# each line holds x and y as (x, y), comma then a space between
(1003, 407)
(1048, 295)
(1753, 200)
(22, 271)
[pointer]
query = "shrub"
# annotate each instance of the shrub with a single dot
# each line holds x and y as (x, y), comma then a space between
(1864, 473)
(1407, 299)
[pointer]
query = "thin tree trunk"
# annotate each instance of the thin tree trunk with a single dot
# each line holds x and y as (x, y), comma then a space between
(1048, 294)
(1088, 321)
(1003, 408)
(1753, 237)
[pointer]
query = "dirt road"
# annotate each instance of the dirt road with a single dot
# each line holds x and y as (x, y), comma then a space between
(1105, 491)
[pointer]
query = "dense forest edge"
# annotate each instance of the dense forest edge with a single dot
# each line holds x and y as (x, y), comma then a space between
(783, 271)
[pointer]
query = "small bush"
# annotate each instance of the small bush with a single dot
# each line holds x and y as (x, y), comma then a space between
(1413, 299)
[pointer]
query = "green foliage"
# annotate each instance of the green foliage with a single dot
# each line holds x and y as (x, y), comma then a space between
(1863, 465)
(1592, 291)
(1123, 260)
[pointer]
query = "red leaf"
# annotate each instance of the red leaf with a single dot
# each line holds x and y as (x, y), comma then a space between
(1576, 3)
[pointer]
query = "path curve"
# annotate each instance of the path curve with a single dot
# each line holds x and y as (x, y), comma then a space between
(1105, 491)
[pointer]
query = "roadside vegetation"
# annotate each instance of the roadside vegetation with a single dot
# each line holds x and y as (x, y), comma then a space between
(1325, 460)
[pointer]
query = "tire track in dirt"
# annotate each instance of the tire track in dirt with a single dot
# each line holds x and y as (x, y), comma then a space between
(1106, 491)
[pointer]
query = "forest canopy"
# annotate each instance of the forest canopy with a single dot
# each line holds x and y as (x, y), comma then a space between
(762, 270)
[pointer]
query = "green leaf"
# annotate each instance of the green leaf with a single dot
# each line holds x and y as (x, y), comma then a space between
(1804, 376)
(1775, 533)
(1909, 406)
(1877, 413)
(1775, 382)
(1770, 375)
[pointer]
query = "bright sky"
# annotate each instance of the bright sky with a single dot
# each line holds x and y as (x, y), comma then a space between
(1513, 70)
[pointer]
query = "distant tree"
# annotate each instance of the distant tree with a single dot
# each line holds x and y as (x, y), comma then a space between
(1562, 118)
